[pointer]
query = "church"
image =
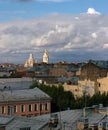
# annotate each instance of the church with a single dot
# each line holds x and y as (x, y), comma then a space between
(31, 61)
(45, 57)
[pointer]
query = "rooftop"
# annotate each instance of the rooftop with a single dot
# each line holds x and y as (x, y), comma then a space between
(67, 119)
(22, 95)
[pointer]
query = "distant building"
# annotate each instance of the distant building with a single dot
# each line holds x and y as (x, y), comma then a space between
(93, 70)
(30, 62)
(58, 72)
(46, 57)
(28, 102)
(87, 86)
(102, 84)
(90, 71)
(75, 89)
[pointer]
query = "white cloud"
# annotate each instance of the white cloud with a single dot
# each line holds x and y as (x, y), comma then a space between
(92, 11)
(61, 33)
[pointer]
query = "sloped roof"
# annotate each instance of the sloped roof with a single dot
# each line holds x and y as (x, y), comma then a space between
(22, 95)
(68, 118)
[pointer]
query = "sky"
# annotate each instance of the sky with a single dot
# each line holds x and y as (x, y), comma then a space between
(71, 30)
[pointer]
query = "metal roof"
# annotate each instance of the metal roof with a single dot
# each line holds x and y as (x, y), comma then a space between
(22, 95)
(67, 119)
(94, 118)
(15, 83)
(5, 119)
(22, 122)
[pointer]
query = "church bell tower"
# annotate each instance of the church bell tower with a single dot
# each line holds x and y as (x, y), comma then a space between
(45, 57)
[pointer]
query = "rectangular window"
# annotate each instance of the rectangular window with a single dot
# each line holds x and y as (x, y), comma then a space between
(30, 107)
(10, 110)
(3, 109)
(46, 106)
(15, 109)
(22, 108)
(42, 107)
(35, 107)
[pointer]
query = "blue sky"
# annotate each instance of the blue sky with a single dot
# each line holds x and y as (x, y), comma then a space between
(71, 30)
(27, 9)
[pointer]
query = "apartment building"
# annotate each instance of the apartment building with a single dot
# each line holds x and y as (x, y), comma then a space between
(28, 102)
(90, 71)
(102, 84)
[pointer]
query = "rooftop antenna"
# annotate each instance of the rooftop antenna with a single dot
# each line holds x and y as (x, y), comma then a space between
(84, 114)
(107, 114)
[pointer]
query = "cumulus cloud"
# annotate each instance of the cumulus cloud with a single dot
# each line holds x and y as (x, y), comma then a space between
(92, 11)
(62, 35)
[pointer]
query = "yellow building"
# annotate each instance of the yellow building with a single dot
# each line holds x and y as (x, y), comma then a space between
(84, 86)
(87, 86)
(75, 89)
(103, 84)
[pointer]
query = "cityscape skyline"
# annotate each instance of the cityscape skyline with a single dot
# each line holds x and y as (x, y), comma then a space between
(71, 30)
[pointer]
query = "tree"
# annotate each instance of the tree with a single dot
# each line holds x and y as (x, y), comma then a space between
(62, 100)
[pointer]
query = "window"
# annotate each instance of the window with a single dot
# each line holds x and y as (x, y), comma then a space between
(35, 107)
(10, 110)
(42, 106)
(15, 108)
(3, 109)
(46, 106)
(22, 108)
(30, 107)
(99, 84)
(25, 128)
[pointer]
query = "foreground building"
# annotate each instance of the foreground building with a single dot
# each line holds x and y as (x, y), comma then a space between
(90, 118)
(21, 123)
(29, 102)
